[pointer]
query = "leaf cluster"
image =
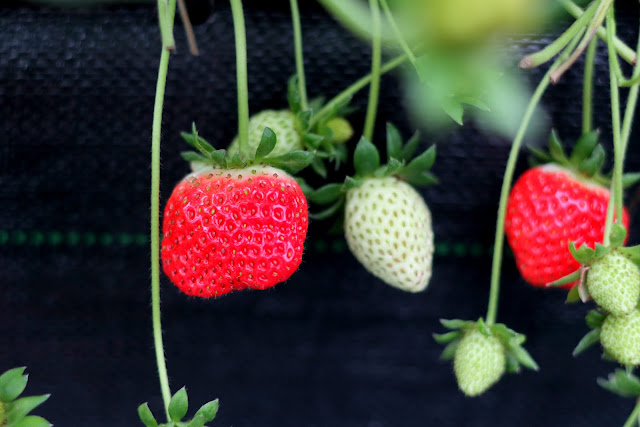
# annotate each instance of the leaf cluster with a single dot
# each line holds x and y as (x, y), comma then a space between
(178, 407)
(516, 355)
(14, 411)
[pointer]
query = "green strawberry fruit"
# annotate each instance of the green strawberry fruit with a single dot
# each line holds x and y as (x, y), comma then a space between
(479, 362)
(282, 123)
(613, 282)
(620, 337)
(341, 128)
(388, 229)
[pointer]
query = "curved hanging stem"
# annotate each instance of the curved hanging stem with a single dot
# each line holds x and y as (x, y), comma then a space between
(587, 87)
(297, 41)
(635, 415)
(394, 26)
(492, 309)
(166, 14)
(376, 58)
(241, 76)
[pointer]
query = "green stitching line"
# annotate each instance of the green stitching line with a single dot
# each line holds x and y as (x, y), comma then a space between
(40, 238)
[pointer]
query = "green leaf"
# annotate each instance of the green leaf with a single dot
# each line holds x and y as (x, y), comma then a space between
(601, 250)
(475, 102)
(219, 157)
(450, 350)
(556, 150)
(453, 109)
(326, 194)
(291, 162)
(313, 140)
(366, 158)
(454, 323)
(328, 212)
(19, 408)
(571, 277)
(12, 384)
(235, 161)
(630, 179)
(584, 147)
(583, 255)
(631, 252)
(591, 338)
(394, 143)
(318, 167)
(421, 180)
(146, 416)
(179, 405)
(422, 163)
(593, 164)
(540, 154)
(573, 295)
(197, 142)
(390, 169)
(621, 383)
(32, 421)
(512, 364)
(594, 319)
(303, 120)
(350, 183)
(208, 411)
(410, 147)
(293, 94)
(196, 422)
(523, 357)
(267, 143)
(192, 156)
(617, 235)
(447, 337)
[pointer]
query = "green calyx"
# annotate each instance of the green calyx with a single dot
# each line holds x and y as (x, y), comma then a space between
(207, 155)
(178, 407)
(401, 163)
(14, 411)
(516, 355)
(622, 382)
(585, 160)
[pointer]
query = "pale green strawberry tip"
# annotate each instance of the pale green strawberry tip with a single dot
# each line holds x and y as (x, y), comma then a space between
(282, 123)
(613, 282)
(620, 337)
(479, 362)
(341, 128)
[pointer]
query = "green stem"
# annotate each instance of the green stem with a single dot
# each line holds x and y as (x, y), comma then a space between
(623, 50)
(376, 58)
(587, 88)
(354, 88)
(355, 17)
(544, 55)
(166, 14)
(241, 76)
(615, 118)
(394, 26)
(633, 418)
(297, 40)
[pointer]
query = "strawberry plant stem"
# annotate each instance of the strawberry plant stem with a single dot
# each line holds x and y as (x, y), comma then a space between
(166, 14)
(241, 76)
(633, 418)
(394, 26)
(297, 41)
(587, 87)
(615, 118)
(376, 56)
(623, 50)
(354, 88)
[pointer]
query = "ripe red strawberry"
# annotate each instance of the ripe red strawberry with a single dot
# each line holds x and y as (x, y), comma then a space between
(235, 226)
(227, 230)
(550, 206)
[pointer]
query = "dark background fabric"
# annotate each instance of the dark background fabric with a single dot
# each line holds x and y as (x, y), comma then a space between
(331, 347)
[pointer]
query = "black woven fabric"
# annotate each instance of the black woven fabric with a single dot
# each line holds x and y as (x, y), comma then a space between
(331, 347)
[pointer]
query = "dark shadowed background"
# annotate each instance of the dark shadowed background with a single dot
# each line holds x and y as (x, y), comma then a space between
(331, 347)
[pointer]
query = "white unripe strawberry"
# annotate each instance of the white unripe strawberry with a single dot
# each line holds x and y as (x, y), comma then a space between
(282, 123)
(479, 362)
(388, 229)
(620, 337)
(613, 282)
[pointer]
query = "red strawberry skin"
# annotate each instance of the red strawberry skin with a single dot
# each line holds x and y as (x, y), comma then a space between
(226, 230)
(549, 207)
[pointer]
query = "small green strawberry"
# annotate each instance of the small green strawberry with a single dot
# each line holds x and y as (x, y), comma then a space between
(620, 337)
(341, 128)
(282, 123)
(613, 282)
(387, 224)
(479, 362)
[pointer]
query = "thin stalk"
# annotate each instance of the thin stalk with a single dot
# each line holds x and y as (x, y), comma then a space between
(394, 26)
(166, 14)
(376, 59)
(494, 292)
(546, 54)
(297, 41)
(615, 118)
(592, 29)
(356, 17)
(623, 50)
(241, 76)
(587, 87)
(188, 28)
(633, 418)
(354, 88)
